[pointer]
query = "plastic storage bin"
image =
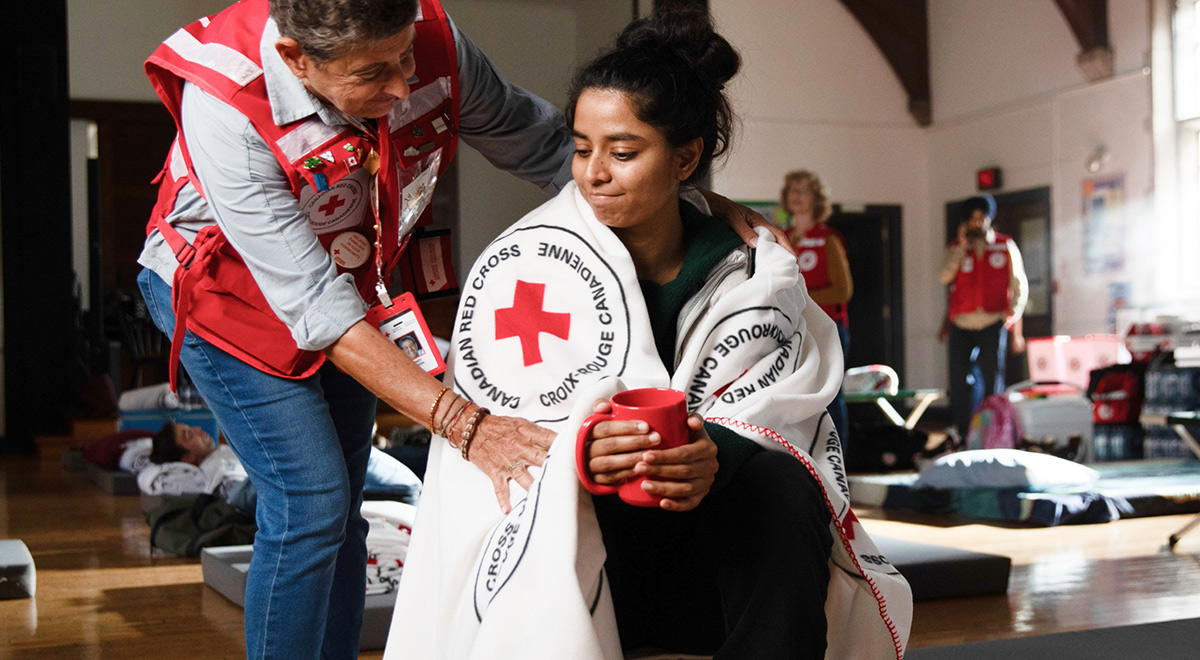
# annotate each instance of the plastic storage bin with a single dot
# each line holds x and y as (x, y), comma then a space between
(1058, 412)
(1065, 359)
(153, 419)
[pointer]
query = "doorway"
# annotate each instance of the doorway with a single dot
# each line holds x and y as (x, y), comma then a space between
(1025, 216)
(876, 310)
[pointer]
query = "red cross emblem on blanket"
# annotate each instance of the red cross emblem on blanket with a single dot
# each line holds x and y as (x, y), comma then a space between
(847, 523)
(527, 319)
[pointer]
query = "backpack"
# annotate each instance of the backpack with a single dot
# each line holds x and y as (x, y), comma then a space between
(1117, 393)
(186, 526)
(995, 425)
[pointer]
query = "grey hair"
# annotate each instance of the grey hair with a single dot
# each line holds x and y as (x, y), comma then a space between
(328, 29)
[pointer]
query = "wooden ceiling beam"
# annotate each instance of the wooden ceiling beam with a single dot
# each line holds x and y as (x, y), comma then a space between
(1089, 21)
(900, 28)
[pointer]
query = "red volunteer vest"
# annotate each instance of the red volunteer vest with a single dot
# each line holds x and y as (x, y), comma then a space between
(982, 281)
(813, 251)
(214, 294)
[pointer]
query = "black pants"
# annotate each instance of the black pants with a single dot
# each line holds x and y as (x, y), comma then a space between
(976, 369)
(744, 575)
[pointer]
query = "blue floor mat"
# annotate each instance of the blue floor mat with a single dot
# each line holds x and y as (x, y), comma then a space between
(1126, 489)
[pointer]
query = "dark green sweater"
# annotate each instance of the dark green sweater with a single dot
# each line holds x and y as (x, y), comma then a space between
(708, 241)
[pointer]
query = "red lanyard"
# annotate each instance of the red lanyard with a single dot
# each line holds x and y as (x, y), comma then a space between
(385, 162)
(382, 136)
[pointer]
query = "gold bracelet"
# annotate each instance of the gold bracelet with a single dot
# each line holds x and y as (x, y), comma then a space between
(468, 433)
(433, 409)
(441, 430)
(448, 429)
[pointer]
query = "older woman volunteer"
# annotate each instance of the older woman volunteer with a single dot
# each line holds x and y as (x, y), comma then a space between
(821, 252)
(311, 134)
(753, 551)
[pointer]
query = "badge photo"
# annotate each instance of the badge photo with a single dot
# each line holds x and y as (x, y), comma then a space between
(405, 326)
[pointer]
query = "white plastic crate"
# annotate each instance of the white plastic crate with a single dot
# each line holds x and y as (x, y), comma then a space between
(1065, 359)
(1059, 415)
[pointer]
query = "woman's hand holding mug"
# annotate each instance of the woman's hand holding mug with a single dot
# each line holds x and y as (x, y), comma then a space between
(645, 448)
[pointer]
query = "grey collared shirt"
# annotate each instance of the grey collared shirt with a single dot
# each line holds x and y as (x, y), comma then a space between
(249, 197)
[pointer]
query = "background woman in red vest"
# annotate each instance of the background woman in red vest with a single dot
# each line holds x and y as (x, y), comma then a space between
(822, 256)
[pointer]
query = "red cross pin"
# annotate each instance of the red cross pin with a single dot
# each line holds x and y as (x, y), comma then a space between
(527, 319)
(330, 207)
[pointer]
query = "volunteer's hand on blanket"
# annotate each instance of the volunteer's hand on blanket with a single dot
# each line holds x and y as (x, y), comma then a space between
(743, 220)
(504, 447)
(622, 449)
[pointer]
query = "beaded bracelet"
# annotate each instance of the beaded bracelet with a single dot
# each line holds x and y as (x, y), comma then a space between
(433, 408)
(468, 433)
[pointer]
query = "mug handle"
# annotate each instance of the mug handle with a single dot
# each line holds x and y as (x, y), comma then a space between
(585, 478)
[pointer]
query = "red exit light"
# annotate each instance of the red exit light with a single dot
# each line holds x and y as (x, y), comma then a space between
(988, 179)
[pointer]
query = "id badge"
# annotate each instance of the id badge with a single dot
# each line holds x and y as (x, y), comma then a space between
(403, 324)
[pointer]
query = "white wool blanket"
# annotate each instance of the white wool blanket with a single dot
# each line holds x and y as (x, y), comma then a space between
(551, 319)
(217, 474)
(387, 543)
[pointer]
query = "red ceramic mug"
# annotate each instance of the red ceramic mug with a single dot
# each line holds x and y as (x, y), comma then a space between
(664, 410)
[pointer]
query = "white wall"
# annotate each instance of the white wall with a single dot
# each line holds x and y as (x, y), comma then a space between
(1007, 93)
(536, 44)
(109, 41)
(816, 93)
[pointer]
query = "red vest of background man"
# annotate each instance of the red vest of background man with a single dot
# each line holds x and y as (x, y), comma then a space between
(813, 257)
(331, 170)
(982, 280)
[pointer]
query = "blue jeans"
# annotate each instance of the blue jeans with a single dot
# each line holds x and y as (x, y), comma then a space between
(977, 364)
(837, 407)
(304, 444)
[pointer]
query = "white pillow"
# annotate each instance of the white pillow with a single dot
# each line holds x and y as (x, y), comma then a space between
(1006, 468)
(136, 455)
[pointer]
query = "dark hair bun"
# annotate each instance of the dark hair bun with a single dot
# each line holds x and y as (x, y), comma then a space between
(686, 34)
(673, 66)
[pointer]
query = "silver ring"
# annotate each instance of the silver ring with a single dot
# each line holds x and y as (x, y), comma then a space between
(514, 466)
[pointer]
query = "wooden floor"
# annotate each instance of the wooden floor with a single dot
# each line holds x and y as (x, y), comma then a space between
(103, 594)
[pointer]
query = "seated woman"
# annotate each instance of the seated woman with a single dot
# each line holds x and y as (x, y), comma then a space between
(617, 283)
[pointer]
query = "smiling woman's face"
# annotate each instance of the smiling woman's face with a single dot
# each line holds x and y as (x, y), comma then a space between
(800, 197)
(625, 168)
(366, 81)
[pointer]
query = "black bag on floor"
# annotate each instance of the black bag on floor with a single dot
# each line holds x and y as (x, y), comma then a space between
(186, 527)
(883, 448)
